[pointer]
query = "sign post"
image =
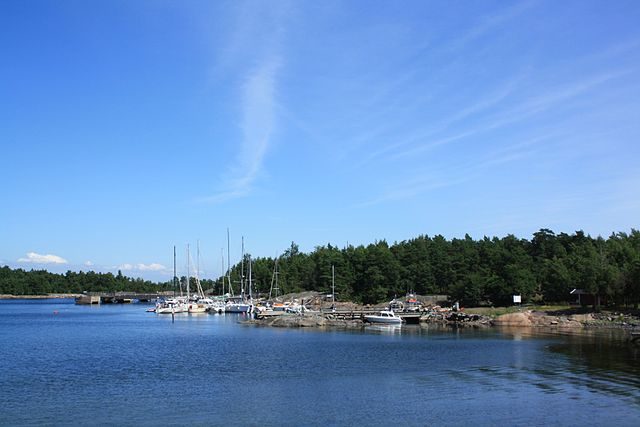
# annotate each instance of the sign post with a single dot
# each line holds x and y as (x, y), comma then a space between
(517, 299)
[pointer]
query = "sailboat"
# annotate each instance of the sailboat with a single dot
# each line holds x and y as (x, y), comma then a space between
(240, 304)
(197, 304)
(274, 305)
(217, 304)
(175, 304)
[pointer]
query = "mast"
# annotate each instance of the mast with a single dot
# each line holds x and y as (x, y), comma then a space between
(199, 285)
(242, 272)
(174, 271)
(229, 265)
(274, 279)
(188, 259)
(333, 286)
(250, 297)
(222, 271)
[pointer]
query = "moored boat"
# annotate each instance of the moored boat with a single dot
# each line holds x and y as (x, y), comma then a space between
(385, 317)
(172, 305)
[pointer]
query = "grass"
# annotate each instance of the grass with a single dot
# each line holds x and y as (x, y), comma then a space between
(499, 311)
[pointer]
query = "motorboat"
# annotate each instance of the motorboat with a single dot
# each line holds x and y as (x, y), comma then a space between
(238, 307)
(173, 305)
(197, 307)
(385, 317)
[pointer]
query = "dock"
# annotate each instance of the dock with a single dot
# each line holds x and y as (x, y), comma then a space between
(412, 317)
(120, 297)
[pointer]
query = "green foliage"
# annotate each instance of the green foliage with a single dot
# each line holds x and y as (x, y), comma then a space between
(484, 272)
(42, 282)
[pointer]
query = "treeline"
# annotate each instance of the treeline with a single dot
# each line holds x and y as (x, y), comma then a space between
(474, 272)
(41, 282)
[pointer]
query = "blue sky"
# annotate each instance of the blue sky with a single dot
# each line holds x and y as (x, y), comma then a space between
(129, 127)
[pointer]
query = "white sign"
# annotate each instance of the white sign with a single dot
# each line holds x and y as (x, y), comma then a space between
(517, 299)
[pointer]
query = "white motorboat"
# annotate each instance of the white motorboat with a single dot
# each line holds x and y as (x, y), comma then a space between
(173, 305)
(238, 307)
(385, 317)
(197, 307)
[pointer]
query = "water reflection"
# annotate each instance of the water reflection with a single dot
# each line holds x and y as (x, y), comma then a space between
(384, 329)
(588, 360)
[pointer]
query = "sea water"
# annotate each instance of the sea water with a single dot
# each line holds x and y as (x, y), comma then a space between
(65, 364)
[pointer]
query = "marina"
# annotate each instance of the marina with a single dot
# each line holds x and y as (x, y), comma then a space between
(240, 373)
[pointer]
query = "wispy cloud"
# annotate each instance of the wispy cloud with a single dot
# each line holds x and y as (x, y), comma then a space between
(465, 171)
(142, 267)
(258, 123)
(489, 23)
(259, 35)
(35, 258)
(485, 103)
(542, 103)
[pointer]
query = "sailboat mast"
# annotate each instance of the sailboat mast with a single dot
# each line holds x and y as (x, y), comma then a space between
(275, 276)
(188, 262)
(174, 270)
(250, 297)
(333, 286)
(242, 272)
(199, 285)
(229, 264)
(222, 271)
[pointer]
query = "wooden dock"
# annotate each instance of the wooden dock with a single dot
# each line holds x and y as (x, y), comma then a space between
(119, 297)
(88, 299)
(412, 317)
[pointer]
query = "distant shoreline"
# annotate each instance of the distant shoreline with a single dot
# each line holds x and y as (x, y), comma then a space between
(49, 296)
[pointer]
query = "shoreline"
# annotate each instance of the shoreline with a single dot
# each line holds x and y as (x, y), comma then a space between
(48, 296)
(526, 319)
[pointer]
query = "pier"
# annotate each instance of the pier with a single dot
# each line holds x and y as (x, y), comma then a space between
(91, 298)
(408, 316)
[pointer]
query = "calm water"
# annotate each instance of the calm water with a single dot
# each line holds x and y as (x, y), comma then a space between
(62, 364)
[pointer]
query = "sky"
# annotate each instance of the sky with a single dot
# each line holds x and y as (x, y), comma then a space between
(128, 127)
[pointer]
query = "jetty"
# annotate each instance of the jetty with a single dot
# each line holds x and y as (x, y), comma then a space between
(91, 298)
(412, 317)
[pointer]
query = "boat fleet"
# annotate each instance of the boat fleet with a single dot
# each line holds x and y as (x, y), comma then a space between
(198, 302)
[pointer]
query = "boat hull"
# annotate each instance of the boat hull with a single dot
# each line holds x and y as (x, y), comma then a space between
(238, 308)
(385, 318)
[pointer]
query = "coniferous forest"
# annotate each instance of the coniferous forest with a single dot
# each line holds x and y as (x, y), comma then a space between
(475, 272)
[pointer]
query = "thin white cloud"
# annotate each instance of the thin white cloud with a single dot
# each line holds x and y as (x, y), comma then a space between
(258, 123)
(464, 172)
(484, 104)
(259, 32)
(35, 258)
(88, 263)
(542, 103)
(142, 267)
(488, 23)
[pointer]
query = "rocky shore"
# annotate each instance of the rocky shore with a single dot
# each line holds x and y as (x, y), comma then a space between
(575, 318)
(606, 319)
(532, 319)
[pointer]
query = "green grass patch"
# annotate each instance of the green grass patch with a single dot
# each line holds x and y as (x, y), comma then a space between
(499, 311)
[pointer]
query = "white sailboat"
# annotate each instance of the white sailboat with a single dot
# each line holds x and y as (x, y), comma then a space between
(196, 304)
(218, 305)
(240, 304)
(175, 304)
